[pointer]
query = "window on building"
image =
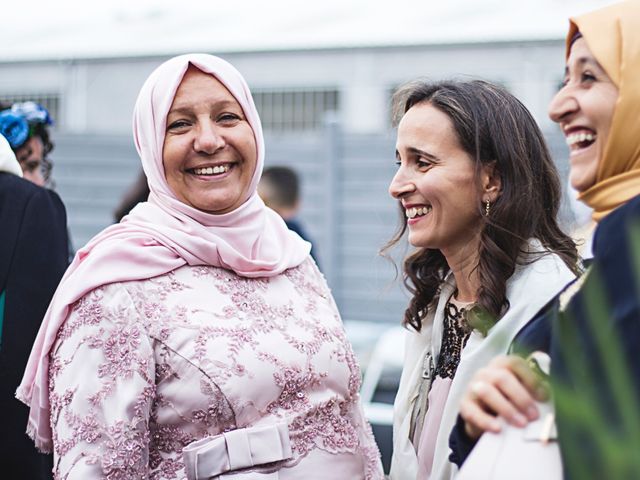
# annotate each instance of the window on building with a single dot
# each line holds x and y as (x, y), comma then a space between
(49, 101)
(296, 109)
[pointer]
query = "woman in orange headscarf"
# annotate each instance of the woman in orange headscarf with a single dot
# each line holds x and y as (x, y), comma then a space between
(597, 110)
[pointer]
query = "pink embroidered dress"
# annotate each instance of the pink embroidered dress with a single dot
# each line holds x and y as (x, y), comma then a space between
(142, 369)
(187, 345)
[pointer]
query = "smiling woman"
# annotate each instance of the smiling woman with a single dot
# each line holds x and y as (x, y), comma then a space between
(209, 152)
(197, 338)
(479, 195)
(584, 109)
(591, 330)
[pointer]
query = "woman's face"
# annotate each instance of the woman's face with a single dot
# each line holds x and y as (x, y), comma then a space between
(435, 182)
(209, 153)
(584, 109)
(31, 159)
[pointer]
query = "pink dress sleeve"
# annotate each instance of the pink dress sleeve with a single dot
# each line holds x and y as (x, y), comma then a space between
(101, 389)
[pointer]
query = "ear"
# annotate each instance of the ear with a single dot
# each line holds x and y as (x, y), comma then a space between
(491, 182)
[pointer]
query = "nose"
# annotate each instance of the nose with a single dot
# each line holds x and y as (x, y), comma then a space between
(563, 104)
(400, 184)
(208, 138)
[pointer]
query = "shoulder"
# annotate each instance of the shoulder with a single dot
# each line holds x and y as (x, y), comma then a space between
(613, 230)
(19, 189)
(17, 194)
(540, 263)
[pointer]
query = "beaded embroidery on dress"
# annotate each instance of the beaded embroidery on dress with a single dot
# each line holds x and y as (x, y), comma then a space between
(174, 367)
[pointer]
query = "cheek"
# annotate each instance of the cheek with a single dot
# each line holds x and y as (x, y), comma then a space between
(447, 187)
(250, 154)
(170, 158)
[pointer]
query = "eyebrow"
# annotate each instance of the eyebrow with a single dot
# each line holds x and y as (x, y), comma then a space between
(221, 105)
(422, 153)
(582, 61)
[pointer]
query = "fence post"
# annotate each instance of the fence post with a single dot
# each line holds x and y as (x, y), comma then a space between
(333, 162)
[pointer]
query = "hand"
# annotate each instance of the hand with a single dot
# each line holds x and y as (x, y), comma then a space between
(506, 387)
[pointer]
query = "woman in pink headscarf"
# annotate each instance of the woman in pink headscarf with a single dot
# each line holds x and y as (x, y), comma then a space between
(197, 339)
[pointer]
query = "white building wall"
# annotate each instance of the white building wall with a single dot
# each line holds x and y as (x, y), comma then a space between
(97, 96)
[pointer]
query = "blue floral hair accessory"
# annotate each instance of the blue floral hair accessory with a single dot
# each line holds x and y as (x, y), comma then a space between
(33, 112)
(14, 128)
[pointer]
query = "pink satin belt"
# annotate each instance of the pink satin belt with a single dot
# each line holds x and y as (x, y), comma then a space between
(235, 450)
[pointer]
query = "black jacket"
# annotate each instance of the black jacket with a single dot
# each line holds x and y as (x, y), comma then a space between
(33, 258)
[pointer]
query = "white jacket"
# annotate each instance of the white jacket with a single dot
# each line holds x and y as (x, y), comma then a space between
(528, 290)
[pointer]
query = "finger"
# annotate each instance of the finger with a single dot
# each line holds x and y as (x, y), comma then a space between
(515, 394)
(521, 369)
(493, 399)
(477, 421)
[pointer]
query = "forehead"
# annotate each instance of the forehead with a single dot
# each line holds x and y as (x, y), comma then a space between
(424, 122)
(580, 54)
(196, 83)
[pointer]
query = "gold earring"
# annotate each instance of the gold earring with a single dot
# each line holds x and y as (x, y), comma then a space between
(486, 208)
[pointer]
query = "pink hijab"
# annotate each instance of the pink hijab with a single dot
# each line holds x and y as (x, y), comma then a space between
(164, 233)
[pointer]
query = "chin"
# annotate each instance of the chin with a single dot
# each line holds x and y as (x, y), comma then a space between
(581, 184)
(418, 242)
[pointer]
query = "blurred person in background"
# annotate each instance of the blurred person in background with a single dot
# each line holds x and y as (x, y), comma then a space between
(33, 258)
(279, 188)
(137, 192)
(26, 126)
(471, 160)
(197, 338)
(597, 110)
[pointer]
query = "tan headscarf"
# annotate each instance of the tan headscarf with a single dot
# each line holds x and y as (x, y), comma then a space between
(613, 36)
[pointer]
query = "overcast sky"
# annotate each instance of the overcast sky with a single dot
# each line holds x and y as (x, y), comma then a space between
(82, 28)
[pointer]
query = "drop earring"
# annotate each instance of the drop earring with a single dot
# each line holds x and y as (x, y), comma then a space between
(487, 207)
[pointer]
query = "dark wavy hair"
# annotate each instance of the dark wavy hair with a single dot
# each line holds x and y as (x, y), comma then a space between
(493, 127)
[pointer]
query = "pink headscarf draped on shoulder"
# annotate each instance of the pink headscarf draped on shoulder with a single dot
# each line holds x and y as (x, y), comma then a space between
(164, 233)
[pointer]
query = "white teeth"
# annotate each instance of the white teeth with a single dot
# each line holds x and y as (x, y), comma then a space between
(416, 212)
(580, 137)
(218, 169)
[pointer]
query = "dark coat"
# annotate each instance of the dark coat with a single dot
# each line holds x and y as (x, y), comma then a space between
(33, 258)
(601, 322)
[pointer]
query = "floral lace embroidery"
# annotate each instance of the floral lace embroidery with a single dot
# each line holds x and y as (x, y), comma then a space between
(167, 365)
(454, 338)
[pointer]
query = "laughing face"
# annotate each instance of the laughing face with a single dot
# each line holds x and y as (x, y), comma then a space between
(435, 182)
(209, 153)
(584, 109)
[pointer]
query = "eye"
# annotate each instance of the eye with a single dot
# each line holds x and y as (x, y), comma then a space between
(423, 164)
(587, 77)
(177, 124)
(229, 117)
(31, 165)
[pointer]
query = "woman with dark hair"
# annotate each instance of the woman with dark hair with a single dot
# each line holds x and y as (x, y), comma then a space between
(30, 270)
(597, 110)
(26, 126)
(479, 194)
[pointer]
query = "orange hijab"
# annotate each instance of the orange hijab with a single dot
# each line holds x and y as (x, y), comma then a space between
(613, 36)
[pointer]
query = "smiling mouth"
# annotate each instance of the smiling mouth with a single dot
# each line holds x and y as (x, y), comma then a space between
(580, 141)
(210, 171)
(414, 212)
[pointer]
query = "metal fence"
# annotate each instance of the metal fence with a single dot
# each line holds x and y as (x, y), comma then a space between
(345, 205)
